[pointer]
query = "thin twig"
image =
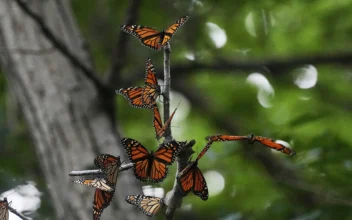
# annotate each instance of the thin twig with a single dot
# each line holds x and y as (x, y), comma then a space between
(166, 92)
(57, 43)
(98, 171)
(120, 51)
(14, 211)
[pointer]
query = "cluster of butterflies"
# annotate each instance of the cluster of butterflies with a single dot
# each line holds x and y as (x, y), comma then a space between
(147, 166)
(152, 166)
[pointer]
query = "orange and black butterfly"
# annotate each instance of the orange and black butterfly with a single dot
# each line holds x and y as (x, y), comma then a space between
(105, 187)
(143, 97)
(221, 137)
(191, 178)
(110, 166)
(151, 166)
(158, 124)
(149, 205)
(4, 210)
(101, 200)
(152, 38)
(270, 143)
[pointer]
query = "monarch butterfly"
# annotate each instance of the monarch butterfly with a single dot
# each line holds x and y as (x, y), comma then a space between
(151, 166)
(191, 178)
(99, 183)
(221, 137)
(152, 38)
(143, 97)
(149, 205)
(110, 166)
(270, 143)
(158, 124)
(105, 187)
(101, 200)
(4, 210)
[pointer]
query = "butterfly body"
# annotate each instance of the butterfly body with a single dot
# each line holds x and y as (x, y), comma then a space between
(151, 37)
(151, 166)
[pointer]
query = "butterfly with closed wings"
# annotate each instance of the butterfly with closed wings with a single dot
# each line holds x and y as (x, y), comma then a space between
(158, 124)
(152, 38)
(270, 143)
(149, 205)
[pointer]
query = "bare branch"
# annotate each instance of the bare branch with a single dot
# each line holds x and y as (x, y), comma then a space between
(120, 50)
(58, 44)
(14, 211)
(98, 171)
(166, 92)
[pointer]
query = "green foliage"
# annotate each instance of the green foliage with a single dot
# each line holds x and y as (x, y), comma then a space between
(317, 121)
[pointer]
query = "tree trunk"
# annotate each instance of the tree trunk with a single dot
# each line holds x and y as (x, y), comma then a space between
(63, 109)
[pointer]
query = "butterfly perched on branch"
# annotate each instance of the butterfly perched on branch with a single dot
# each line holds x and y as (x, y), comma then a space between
(105, 187)
(192, 179)
(251, 140)
(149, 205)
(158, 124)
(152, 38)
(151, 166)
(143, 97)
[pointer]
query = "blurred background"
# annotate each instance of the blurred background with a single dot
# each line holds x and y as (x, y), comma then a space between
(279, 69)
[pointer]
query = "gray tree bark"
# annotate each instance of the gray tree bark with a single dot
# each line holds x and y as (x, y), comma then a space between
(63, 108)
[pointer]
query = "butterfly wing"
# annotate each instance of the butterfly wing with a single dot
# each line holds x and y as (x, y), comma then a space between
(4, 210)
(138, 155)
(163, 156)
(272, 144)
(185, 178)
(205, 149)
(200, 187)
(99, 183)
(149, 205)
(221, 137)
(148, 36)
(170, 31)
(168, 152)
(152, 89)
(101, 200)
(134, 96)
(110, 166)
(158, 124)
